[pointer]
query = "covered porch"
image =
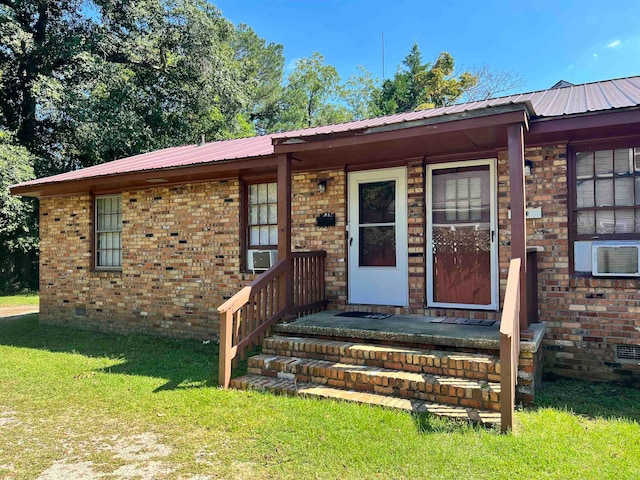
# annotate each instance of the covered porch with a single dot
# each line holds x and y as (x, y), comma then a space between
(290, 290)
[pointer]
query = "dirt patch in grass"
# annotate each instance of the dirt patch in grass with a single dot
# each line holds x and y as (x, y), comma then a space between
(7, 416)
(137, 456)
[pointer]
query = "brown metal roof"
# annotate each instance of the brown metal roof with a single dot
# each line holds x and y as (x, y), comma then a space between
(558, 102)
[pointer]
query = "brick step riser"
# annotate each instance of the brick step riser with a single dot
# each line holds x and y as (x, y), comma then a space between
(432, 391)
(432, 365)
(285, 387)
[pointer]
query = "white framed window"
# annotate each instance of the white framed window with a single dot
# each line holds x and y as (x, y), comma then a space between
(108, 233)
(262, 215)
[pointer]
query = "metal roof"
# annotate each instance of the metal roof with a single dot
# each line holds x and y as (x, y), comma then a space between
(170, 158)
(573, 100)
(558, 102)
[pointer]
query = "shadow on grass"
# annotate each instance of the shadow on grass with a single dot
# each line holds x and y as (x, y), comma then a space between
(591, 399)
(183, 363)
(427, 423)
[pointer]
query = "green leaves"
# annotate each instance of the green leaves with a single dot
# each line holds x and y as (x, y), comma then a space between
(84, 82)
(15, 167)
(419, 86)
(18, 217)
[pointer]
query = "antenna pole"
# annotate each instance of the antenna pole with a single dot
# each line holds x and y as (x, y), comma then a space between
(383, 56)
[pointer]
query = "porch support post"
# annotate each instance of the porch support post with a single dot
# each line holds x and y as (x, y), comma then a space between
(285, 286)
(515, 134)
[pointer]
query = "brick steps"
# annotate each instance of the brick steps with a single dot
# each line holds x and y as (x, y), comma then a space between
(436, 362)
(442, 382)
(290, 387)
(456, 391)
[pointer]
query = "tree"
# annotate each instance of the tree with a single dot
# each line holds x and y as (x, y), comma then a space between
(261, 67)
(18, 226)
(95, 80)
(38, 42)
(418, 85)
(163, 74)
(313, 96)
(492, 84)
(358, 93)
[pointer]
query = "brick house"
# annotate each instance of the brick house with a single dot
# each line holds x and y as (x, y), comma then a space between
(157, 242)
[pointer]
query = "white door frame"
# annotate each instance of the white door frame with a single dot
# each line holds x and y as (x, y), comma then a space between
(493, 232)
(378, 285)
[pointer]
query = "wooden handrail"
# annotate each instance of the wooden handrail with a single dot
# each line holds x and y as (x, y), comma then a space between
(246, 317)
(509, 346)
(532, 286)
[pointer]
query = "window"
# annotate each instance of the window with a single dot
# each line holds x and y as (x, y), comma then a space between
(109, 232)
(262, 215)
(606, 200)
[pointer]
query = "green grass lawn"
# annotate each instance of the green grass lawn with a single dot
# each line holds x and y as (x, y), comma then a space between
(18, 300)
(79, 405)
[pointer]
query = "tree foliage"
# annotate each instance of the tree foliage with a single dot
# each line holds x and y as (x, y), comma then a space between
(358, 94)
(18, 227)
(39, 42)
(92, 81)
(262, 67)
(417, 85)
(313, 96)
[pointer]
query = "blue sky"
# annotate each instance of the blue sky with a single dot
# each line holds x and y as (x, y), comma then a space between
(543, 40)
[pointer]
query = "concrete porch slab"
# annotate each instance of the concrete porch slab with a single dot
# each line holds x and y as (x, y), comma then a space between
(410, 329)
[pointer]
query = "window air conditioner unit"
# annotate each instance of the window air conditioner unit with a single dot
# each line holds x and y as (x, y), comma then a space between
(616, 259)
(261, 260)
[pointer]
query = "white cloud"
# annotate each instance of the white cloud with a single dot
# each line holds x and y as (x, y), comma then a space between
(595, 55)
(614, 44)
(291, 64)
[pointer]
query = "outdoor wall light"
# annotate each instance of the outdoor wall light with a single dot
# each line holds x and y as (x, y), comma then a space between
(528, 167)
(322, 186)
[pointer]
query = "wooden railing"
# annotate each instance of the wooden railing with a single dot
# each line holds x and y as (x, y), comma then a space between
(510, 346)
(247, 316)
(532, 286)
(308, 282)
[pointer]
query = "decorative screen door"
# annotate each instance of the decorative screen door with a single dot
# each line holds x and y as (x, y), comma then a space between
(378, 263)
(461, 232)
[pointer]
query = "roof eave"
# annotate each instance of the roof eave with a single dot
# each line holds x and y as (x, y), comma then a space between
(489, 111)
(141, 178)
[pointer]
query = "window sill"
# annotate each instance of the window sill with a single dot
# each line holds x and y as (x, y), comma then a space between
(586, 280)
(113, 271)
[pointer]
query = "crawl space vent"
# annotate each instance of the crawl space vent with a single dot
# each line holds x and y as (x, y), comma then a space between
(628, 352)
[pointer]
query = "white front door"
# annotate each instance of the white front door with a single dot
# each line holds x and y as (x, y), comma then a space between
(378, 263)
(462, 265)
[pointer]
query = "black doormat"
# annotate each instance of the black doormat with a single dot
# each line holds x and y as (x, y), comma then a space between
(372, 316)
(463, 321)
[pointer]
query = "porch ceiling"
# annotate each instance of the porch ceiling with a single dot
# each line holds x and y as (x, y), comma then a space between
(449, 143)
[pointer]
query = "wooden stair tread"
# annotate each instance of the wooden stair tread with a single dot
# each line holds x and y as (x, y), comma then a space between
(291, 387)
